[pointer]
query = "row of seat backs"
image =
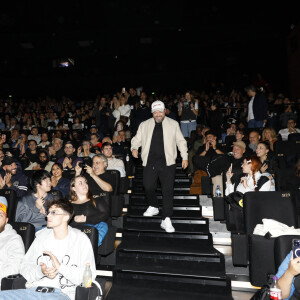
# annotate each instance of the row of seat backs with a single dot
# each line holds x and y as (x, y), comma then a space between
(27, 233)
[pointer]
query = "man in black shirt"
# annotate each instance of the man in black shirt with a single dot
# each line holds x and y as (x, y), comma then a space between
(159, 137)
(98, 179)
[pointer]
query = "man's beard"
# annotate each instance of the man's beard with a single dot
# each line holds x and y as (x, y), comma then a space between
(43, 164)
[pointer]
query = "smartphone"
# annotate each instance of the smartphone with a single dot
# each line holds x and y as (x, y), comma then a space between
(296, 248)
(45, 289)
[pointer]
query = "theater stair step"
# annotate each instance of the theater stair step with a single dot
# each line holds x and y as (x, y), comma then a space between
(153, 224)
(177, 190)
(137, 285)
(178, 212)
(178, 200)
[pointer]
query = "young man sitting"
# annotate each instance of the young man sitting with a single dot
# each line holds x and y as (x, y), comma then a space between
(31, 208)
(56, 259)
(11, 245)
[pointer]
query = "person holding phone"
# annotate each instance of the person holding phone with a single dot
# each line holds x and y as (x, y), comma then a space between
(288, 271)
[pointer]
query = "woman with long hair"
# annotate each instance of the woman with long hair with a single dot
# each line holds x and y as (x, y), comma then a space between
(269, 135)
(87, 210)
(253, 179)
(267, 160)
(59, 183)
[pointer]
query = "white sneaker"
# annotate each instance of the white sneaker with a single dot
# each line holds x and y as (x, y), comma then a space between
(151, 211)
(166, 224)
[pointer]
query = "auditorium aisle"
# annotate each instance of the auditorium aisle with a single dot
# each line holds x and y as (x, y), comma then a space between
(152, 264)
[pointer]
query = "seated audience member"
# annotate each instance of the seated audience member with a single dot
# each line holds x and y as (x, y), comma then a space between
(113, 163)
(120, 145)
(31, 208)
(85, 150)
(266, 158)
(269, 135)
(253, 181)
(87, 209)
(254, 139)
(94, 130)
(35, 135)
(206, 153)
(11, 245)
(95, 141)
(13, 178)
(56, 258)
(32, 152)
(43, 162)
(98, 179)
(56, 150)
(196, 141)
(240, 135)
(221, 164)
(21, 144)
(70, 159)
(44, 144)
(60, 183)
(15, 134)
(291, 128)
(107, 139)
(230, 131)
(286, 274)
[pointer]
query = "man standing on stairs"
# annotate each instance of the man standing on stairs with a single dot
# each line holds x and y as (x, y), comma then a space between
(158, 138)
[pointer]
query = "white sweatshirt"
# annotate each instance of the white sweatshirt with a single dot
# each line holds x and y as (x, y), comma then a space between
(73, 252)
(11, 252)
(268, 186)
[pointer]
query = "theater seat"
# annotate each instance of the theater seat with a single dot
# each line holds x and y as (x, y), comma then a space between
(92, 234)
(117, 201)
(12, 201)
(26, 231)
(278, 206)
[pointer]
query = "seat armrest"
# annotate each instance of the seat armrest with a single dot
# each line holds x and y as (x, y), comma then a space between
(239, 242)
(13, 282)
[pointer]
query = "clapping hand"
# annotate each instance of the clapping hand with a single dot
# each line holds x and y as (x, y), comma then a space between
(244, 182)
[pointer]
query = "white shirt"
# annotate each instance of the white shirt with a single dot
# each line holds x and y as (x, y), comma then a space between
(116, 164)
(250, 110)
(285, 133)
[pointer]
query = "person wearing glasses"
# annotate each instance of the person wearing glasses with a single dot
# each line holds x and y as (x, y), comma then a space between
(55, 262)
(43, 162)
(31, 208)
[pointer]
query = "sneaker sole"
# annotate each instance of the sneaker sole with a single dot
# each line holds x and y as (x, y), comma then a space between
(151, 215)
(166, 230)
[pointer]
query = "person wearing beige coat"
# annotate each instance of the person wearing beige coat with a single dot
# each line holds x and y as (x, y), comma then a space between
(159, 138)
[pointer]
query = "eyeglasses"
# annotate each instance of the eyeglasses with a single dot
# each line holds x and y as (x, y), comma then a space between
(54, 213)
(69, 147)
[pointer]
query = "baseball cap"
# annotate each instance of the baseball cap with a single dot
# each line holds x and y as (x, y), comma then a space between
(157, 106)
(240, 144)
(8, 160)
(3, 204)
(69, 142)
(93, 126)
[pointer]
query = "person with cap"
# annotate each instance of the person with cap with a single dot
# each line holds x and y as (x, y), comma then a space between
(12, 248)
(257, 108)
(13, 178)
(221, 164)
(158, 138)
(70, 159)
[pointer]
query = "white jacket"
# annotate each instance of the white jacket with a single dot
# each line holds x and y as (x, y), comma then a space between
(172, 137)
(275, 228)
(269, 186)
(11, 252)
(78, 252)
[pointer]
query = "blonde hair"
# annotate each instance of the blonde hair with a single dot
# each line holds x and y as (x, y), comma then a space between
(273, 133)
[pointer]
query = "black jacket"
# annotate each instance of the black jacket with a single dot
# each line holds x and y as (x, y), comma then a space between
(260, 107)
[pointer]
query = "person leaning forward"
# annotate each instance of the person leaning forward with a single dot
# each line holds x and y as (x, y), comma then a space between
(158, 138)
